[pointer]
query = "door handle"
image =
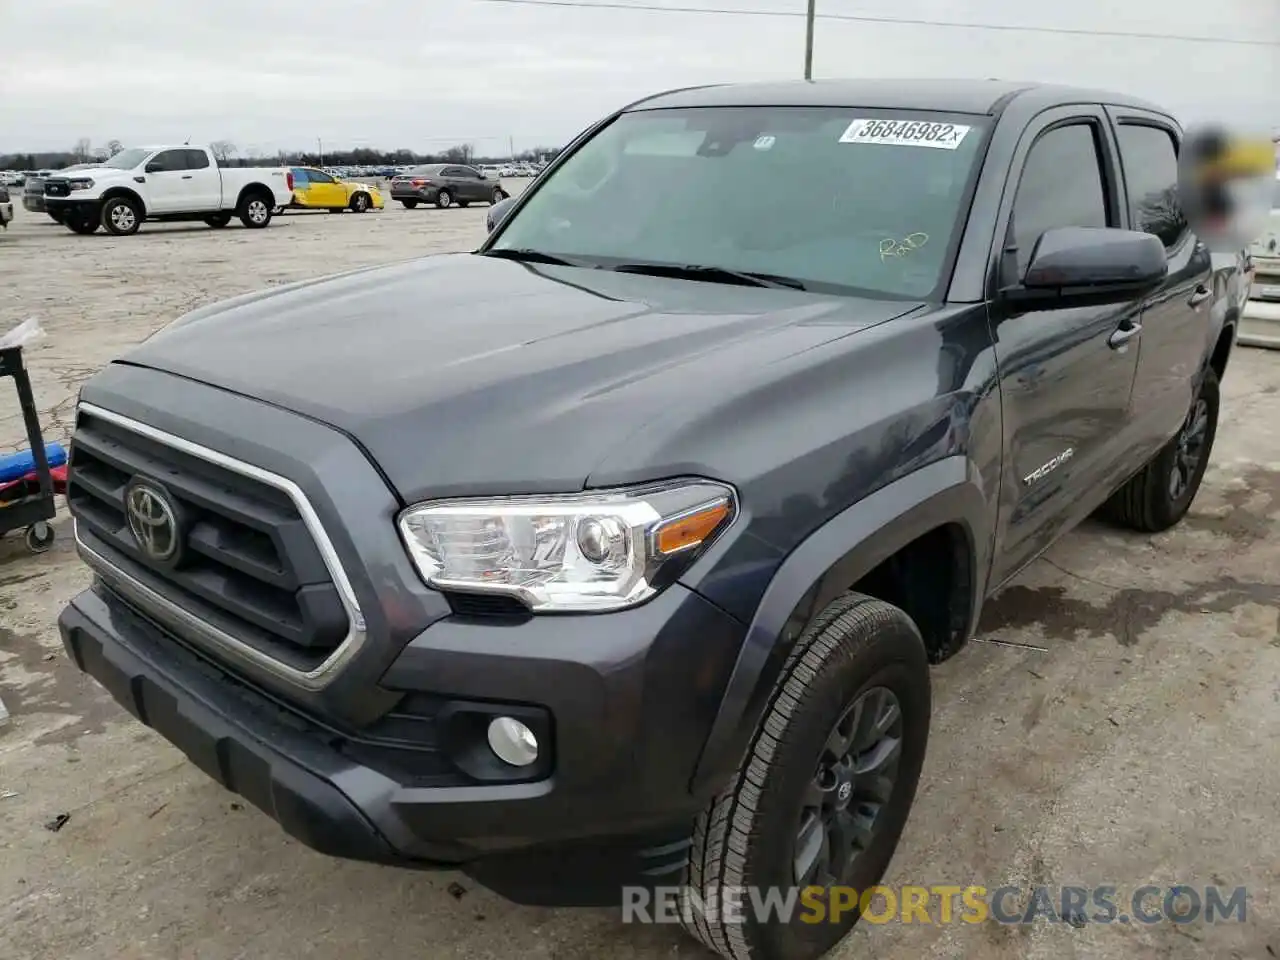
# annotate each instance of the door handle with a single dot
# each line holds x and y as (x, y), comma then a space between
(1202, 294)
(1123, 335)
(186, 176)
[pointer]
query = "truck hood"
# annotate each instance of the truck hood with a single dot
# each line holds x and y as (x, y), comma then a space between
(464, 374)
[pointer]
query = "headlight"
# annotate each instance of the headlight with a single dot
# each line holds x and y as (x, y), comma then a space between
(81, 183)
(594, 551)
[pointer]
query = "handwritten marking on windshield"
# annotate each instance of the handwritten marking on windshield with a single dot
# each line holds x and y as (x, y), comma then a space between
(900, 248)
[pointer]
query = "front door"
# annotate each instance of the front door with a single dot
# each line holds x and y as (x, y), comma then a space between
(168, 182)
(1065, 375)
(325, 191)
(1175, 318)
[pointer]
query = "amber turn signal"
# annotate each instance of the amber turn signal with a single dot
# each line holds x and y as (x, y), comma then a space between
(681, 533)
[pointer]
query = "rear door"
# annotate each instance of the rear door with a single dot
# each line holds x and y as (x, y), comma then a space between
(476, 185)
(1176, 318)
(1065, 375)
(203, 183)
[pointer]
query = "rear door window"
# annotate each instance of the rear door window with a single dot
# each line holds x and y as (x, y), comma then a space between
(1150, 159)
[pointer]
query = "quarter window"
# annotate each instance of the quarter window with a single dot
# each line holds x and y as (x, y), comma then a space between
(1061, 186)
(196, 159)
(1150, 160)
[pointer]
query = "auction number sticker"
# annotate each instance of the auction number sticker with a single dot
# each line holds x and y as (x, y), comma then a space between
(906, 133)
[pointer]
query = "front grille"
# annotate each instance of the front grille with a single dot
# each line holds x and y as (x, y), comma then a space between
(248, 566)
(57, 188)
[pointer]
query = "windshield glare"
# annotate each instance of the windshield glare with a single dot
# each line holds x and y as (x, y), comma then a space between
(127, 159)
(762, 189)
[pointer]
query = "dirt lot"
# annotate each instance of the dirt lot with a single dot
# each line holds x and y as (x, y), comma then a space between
(1140, 744)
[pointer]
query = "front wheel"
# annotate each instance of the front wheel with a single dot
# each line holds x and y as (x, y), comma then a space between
(57, 216)
(840, 746)
(360, 203)
(1162, 492)
(83, 225)
(39, 537)
(121, 217)
(409, 204)
(444, 199)
(497, 196)
(218, 220)
(255, 211)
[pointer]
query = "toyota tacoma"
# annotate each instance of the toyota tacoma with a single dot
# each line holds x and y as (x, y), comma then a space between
(617, 550)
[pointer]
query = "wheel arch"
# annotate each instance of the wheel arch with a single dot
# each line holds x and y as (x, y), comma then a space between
(943, 496)
(132, 195)
(254, 189)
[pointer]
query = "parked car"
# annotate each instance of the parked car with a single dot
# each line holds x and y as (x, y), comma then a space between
(445, 184)
(314, 189)
(628, 564)
(6, 208)
(1261, 326)
(166, 183)
(33, 191)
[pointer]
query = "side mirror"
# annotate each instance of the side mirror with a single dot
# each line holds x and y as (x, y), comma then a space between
(498, 212)
(154, 167)
(1078, 266)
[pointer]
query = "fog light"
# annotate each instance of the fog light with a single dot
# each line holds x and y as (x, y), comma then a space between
(513, 742)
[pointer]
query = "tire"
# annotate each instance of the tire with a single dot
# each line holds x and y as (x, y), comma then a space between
(444, 199)
(857, 653)
(497, 196)
(218, 220)
(121, 216)
(256, 210)
(39, 537)
(55, 215)
(464, 203)
(1153, 500)
(82, 225)
(360, 203)
(409, 204)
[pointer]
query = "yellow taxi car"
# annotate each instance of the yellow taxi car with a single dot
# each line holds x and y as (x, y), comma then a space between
(316, 190)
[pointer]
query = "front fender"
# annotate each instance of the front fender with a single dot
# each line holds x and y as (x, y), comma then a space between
(828, 562)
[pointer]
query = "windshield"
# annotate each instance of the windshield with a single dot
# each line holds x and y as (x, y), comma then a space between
(127, 159)
(845, 200)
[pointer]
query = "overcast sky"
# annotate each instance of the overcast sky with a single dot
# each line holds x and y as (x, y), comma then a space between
(277, 74)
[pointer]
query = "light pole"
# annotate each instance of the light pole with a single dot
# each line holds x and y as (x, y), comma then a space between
(808, 40)
(320, 150)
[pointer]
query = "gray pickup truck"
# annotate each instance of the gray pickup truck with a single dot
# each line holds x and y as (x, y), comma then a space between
(617, 552)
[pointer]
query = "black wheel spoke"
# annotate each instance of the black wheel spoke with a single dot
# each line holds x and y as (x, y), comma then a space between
(841, 805)
(812, 852)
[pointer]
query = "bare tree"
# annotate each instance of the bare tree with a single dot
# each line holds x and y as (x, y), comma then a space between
(223, 150)
(460, 153)
(82, 149)
(113, 147)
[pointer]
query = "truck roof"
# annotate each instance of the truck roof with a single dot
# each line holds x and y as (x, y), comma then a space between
(985, 97)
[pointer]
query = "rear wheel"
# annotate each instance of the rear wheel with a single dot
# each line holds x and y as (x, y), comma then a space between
(409, 204)
(218, 220)
(121, 217)
(1162, 493)
(444, 199)
(497, 196)
(359, 203)
(255, 210)
(840, 747)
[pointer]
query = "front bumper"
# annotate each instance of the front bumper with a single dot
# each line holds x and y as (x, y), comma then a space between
(631, 696)
(73, 207)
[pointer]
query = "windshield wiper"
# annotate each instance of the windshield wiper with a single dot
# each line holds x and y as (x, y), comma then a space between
(528, 255)
(695, 271)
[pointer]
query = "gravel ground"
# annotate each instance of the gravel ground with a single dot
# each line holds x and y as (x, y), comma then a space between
(1140, 743)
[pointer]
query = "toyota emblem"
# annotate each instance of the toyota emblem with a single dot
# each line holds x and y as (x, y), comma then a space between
(153, 521)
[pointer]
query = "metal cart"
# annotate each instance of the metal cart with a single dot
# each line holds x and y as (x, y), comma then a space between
(36, 510)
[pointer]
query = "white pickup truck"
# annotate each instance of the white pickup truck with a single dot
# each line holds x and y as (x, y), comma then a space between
(166, 183)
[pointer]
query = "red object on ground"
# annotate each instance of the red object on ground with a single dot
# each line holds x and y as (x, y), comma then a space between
(29, 485)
